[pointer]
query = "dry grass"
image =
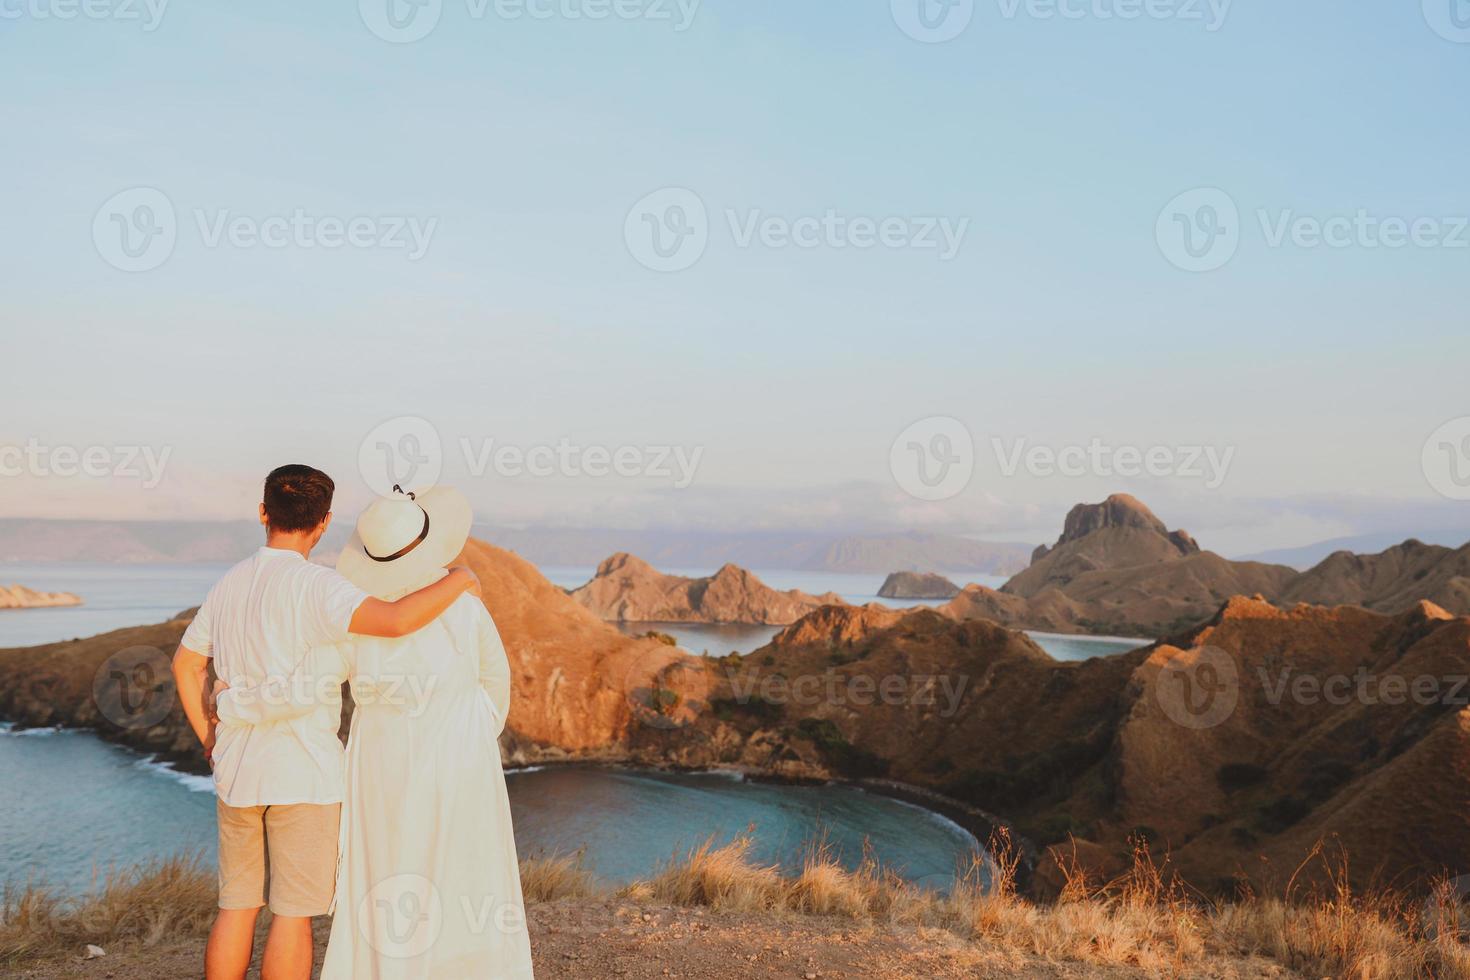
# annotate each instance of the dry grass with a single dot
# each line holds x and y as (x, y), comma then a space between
(550, 879)
(1144, 919)
(717, 877)
(152, 903)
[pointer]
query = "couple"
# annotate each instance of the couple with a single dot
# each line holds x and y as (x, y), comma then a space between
(407, 839)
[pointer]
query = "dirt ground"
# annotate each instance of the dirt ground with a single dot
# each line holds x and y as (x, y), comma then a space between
(612, 939)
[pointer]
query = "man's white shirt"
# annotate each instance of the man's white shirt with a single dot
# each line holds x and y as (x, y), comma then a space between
(260, 621)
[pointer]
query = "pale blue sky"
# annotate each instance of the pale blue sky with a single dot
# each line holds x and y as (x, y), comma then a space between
(528, 320)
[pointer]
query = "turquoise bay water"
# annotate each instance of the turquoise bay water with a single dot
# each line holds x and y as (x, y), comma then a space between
(74, 805)
(114, 596)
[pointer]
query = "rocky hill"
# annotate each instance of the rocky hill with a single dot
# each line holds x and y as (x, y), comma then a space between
(1390, 581)
(20, 597)
(1117, 569)
(1234, 747)
(628, 589)
(917, 585)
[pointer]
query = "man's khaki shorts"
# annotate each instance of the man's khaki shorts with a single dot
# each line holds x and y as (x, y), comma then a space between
(295, 845)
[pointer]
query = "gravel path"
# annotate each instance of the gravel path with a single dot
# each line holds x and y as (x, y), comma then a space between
(611, 939)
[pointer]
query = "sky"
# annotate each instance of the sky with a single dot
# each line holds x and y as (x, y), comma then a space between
(857, 266)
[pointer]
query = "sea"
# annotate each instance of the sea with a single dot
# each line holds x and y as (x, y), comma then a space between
(75, 807)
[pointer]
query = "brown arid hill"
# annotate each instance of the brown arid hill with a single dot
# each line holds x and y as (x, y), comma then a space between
(628, 589)
(1331, 724)
(1390, 581)
(1117, 569)
(20, 597)
(570, 675)
(917, 585)
(970, 710)
(1194, 744)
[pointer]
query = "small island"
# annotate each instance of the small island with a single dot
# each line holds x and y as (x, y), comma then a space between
(917, 585)
(20, 597)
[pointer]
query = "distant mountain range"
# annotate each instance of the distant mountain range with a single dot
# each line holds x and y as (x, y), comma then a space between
(190, 541)
(1307, 555)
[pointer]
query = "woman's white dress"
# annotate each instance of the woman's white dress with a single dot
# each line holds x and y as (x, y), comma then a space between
(428, 885)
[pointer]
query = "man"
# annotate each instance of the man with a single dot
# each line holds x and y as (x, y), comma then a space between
(280, 784)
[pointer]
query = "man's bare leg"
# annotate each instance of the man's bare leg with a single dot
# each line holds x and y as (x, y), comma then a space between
(231, 942)
(287, 949)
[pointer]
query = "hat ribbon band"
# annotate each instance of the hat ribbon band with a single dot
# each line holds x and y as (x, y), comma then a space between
(404, 550)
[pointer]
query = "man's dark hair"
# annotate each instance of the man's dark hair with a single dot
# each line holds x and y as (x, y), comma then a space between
(297, 498)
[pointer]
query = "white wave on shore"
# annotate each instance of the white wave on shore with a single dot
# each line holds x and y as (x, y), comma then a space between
(8, 728)
(933, 815)
(199, 784)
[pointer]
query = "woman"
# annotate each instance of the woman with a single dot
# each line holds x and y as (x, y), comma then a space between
(428, 884)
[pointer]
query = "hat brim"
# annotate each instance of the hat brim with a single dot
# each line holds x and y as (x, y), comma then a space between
(450, 518)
